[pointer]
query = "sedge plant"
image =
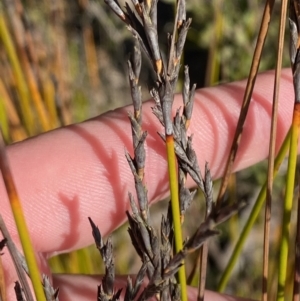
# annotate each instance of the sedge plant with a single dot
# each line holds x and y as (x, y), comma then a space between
(161, 265)
(291, 141)
(161, 257)
(292, 162)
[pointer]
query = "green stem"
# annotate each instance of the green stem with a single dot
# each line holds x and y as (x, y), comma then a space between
(288, 202)
(252, 218)
(25, 103)
(172, 169)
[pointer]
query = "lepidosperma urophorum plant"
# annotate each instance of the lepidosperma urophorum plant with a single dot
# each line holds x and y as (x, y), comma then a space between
(162, 251)
(162, 255)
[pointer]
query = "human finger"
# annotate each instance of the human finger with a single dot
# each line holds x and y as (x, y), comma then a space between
(78, 171)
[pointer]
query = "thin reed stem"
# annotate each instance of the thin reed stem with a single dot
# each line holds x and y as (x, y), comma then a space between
(16, 130)
(294, 15)
(204, 250)
(173, 180)
(247, 96)
(296, 289)
(288, 201)
(252, 217)
(270, 175)
(202, 271)
(19, 76)
(213, 65)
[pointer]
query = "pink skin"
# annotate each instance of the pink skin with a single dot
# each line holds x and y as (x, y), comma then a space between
(71, 173)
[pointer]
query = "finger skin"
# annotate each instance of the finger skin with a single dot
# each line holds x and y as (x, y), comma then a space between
(66, 175)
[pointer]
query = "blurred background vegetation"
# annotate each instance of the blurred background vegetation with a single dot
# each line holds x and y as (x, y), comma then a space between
(65, 61)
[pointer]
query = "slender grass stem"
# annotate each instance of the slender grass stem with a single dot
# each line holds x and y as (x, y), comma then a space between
(296, 289)
(252, 218)
(214, 65)
(270, 176)
(247, 96)
(202, 271)
(172, 169)
(22, 88)
(21, 224)
(16, 131)
(288, 201)
(4, 123)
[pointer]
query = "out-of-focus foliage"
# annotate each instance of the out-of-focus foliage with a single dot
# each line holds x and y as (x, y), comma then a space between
(227, 30)
(70, 56)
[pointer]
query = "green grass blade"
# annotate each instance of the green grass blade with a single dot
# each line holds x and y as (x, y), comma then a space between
(252, 218)
(288, 202)
(20, 80)
(4, 123)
